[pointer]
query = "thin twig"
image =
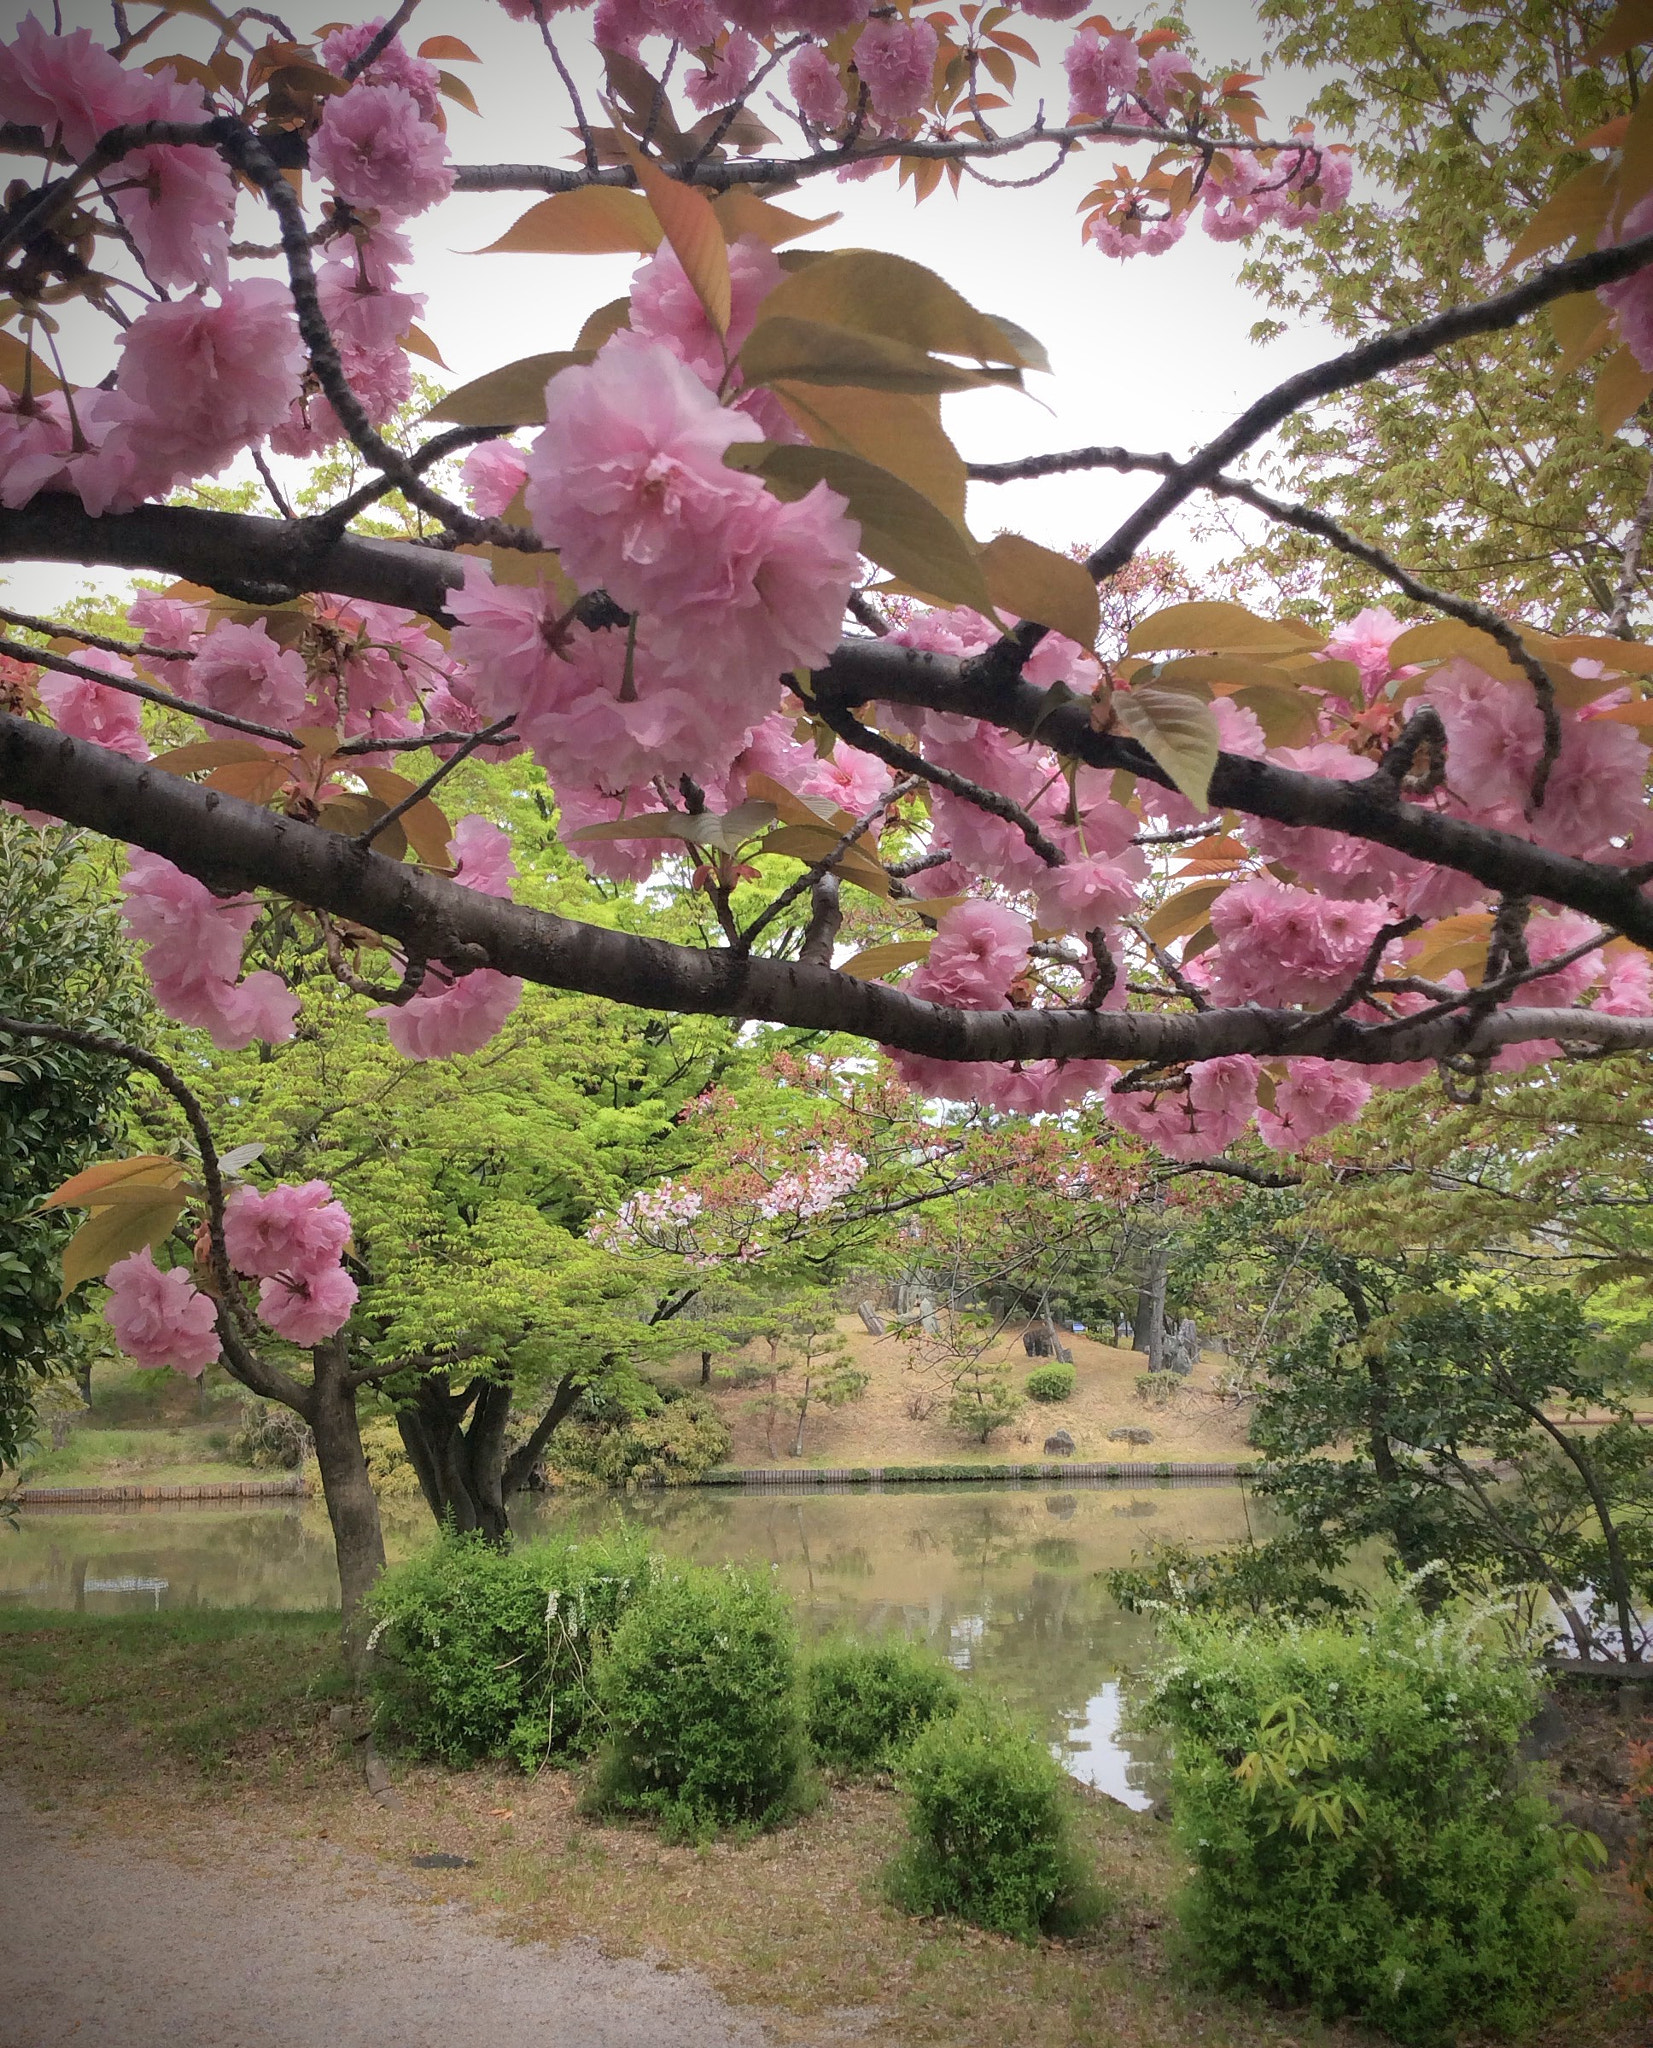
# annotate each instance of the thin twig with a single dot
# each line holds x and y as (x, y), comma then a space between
(1618, 619)
(849, 727)
(43, 658)
(438, 774)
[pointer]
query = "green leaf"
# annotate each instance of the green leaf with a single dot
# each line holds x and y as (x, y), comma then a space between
(1039, 584)
(514, 394)
(115, 1233)
(1178, 730)
(695, 828)
(900, 432)
(813, 352)
(877, 961)
(1224, 628)
(900, 530)
(875, 293)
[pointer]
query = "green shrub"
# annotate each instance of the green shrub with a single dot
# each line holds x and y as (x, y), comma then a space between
(671, 1442)
(1050, 1383)
(699, 1686)
(864, 1702)
(989, 1831)
(486, 1652)
(1349, 1800)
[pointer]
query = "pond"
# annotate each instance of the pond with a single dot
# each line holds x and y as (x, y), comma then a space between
(1005, 1581)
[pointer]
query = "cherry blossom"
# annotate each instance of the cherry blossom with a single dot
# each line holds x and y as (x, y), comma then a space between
(96, 711)
(1098, 73)
(378, 151)
(306, 1308)
(896, 60)
(817, 85)
(288, 1229)
(240, 669)
(492, 473)
(161, 1318)
(1309, 1099)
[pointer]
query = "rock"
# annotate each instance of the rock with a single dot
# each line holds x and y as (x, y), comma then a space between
(871, 1318)
(1038, 1343)
(1603, 1818)
(1130, 1436)
(1063, 1355)
(1546, 1732)
(1061, 1445)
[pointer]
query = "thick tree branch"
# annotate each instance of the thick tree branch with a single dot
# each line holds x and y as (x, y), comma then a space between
(235, 846)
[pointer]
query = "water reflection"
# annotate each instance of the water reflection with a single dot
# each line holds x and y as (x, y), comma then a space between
(1004, 1582)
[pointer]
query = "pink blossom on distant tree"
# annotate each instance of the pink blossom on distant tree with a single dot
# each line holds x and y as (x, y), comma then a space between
(161, 1318)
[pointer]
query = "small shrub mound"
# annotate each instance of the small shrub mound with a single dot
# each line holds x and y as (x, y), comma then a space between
(864, 1702)
(989, 1831)
(1050, 1383)
(486, 1653)
(1349, 1799)
(699, 1687)
(670, 1440)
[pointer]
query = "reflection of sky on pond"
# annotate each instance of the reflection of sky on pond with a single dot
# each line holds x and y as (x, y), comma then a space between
(1004, 1581)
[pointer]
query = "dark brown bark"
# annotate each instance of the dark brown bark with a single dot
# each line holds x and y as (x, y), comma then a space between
(233, 845)
(455, 1440)
(352, 1506)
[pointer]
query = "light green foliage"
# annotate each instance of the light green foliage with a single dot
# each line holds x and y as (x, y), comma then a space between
(1288, 1576)
(989, 1831)
(699, 1685)
(659, 1438)
(983, 1400)
(1383, 1420)
(864, 1702)
(62, 961)
(806, 1361)
(1465, 121)
(1050, 1383)
(488, 1652)
(1360, 1835)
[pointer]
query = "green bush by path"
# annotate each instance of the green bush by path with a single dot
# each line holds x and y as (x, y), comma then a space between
(1050, 1383)
(699, 1689)
(1349, 1798)
(864, 1702)
(989, 1839)
(486, 1653)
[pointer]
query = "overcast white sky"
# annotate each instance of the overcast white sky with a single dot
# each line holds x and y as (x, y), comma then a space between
(1154, 353)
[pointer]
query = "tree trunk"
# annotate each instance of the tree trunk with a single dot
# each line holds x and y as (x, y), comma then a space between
(1148, 1327)
(456, 1442)
(352, 1505)
(803, 1410)
(705, 1368)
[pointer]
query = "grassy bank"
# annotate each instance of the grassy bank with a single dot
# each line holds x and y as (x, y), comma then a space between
(181, 1728)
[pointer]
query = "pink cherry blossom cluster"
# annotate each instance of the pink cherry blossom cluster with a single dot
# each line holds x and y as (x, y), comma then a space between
(192, 954)
(290, 1239)
(459, 1013)
(816, 1188)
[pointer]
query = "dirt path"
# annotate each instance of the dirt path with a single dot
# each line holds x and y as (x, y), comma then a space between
(103, 1946)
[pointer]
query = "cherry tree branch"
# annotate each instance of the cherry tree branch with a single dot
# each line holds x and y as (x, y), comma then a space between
(235, 846)
(248, 1367)
(60, 664)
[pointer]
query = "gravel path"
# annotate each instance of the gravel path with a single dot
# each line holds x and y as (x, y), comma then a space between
(105, 1946)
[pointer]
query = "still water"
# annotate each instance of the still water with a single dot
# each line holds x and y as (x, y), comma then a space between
(1003, 1581)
